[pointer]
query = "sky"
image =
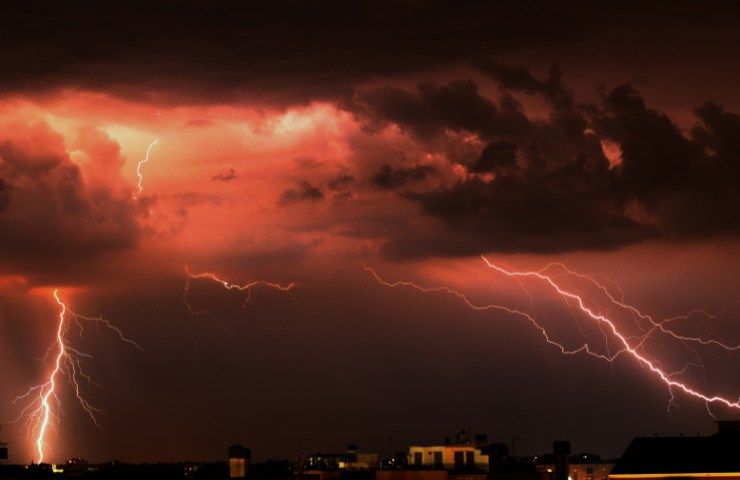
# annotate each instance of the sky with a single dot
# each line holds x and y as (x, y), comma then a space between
(326, 150)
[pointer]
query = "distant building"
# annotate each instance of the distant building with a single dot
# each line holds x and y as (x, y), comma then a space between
(357, 460)
(589, 467)
(324, 461)
(584, 466)
(500, 465)
(74, 467)
(353, 460)
(683, 457)
(461, 455)
(239, 461)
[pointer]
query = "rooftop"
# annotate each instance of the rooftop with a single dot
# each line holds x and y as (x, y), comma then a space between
(718, 453)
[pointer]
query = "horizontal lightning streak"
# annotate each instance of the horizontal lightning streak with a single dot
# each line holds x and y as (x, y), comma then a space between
(492, 306)
(245, 287)
(235, 286)
(629, 346)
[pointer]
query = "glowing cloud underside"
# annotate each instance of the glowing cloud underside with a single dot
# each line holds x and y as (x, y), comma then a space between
(44, 406)
(553, 278)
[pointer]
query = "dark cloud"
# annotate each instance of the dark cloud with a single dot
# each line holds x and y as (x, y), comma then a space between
(304, 192)
(518, 78)
(225, 176)
(292, 51)
(430, 109)
(4, 194)
(497, 157)
(561, 211)
(687, 184)
(389, 177)
(221, 50)
(522, 80)
(50, 217)
(551, 186)
(341, 181)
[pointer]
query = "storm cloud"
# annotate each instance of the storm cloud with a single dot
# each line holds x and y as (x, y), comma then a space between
(291, 51)
(550, 186)
(303, 192)
(51, 217)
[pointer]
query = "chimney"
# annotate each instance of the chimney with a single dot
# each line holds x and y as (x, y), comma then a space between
(561, 449)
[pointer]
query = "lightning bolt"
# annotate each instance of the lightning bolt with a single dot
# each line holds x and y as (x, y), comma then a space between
(660, 325)
(631, 346)
(139, 174)
(245, 288)
(44, 405)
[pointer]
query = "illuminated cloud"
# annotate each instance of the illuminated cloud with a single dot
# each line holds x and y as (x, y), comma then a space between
(225, 175)
(52, 216)
(304, 192)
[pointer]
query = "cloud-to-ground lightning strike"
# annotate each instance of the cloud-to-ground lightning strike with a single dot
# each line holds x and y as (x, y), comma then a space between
(139, 173)
(632, 346)
(44, 407)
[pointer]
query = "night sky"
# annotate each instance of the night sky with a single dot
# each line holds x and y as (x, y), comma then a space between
(306, 142)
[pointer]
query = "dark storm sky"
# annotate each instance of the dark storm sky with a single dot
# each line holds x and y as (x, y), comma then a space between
(298, 141)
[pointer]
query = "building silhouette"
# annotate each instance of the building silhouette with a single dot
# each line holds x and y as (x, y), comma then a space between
(239, 457)
(715, 456)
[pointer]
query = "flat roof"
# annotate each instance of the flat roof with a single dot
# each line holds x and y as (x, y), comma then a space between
(701, 456)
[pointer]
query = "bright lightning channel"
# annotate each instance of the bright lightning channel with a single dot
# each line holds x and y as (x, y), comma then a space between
(139, 173)
(630, 346)
(44, 407)
(244, 288)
